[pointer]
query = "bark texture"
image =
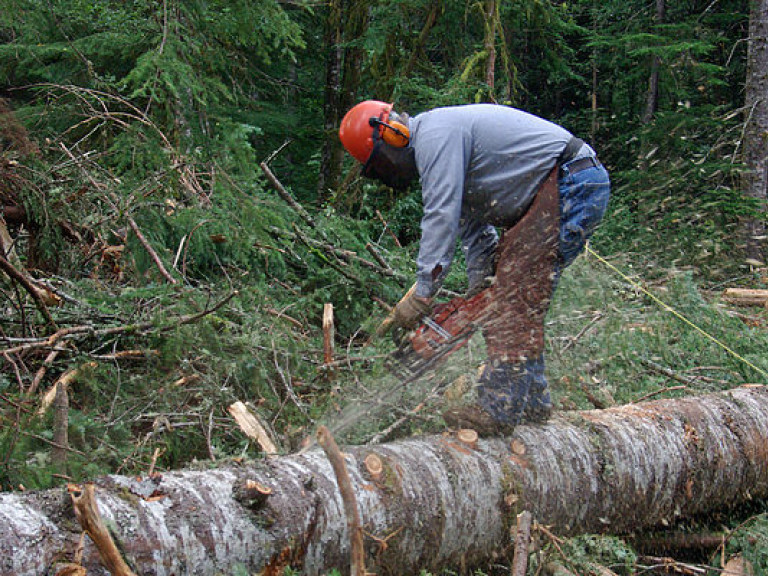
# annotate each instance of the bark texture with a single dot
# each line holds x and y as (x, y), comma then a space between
(436, 502)
(756, 129)
(652, 97)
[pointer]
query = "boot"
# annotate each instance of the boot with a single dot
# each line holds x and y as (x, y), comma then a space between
(478, 419)
(539, 406)
(502, 398)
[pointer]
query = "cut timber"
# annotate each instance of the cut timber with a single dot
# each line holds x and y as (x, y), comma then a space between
(251, 427)
(746, 297)
(437, 504)
(328, 336)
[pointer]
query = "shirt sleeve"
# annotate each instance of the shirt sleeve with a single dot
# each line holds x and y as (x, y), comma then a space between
(442, 156)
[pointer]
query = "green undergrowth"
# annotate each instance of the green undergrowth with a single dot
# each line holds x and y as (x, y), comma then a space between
(614, 337)
(620, 330)
(244, 323)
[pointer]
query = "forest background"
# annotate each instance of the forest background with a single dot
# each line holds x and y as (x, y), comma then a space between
(151, 265)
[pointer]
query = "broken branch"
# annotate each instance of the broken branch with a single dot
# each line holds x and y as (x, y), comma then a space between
(328, 334)
(328, 444)
(87, 512)
(522, 541)
(33, 291)
(251, 427)
(285, 195)
(152, 254)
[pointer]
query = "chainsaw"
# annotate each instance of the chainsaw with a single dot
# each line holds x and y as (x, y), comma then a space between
(447, 329)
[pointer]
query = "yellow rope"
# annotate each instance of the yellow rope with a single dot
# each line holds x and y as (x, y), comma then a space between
(675, 313)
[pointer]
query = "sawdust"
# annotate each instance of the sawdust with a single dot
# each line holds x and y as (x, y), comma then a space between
(406, 400)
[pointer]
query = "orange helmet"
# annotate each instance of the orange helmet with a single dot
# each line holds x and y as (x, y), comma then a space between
(365, 123)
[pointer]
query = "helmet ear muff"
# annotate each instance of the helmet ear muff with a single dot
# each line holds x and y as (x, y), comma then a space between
(396, 134)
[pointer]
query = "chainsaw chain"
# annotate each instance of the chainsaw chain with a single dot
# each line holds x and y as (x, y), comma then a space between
(409, 366)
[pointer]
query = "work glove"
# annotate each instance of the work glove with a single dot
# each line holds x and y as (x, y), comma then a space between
(410, 310)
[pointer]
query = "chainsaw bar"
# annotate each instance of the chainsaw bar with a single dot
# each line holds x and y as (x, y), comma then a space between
(408, 365)
(449, 328)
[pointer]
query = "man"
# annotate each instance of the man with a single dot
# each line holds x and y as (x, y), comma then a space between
(485, 166)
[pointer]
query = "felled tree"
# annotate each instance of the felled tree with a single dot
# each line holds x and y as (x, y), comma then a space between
(426, 502)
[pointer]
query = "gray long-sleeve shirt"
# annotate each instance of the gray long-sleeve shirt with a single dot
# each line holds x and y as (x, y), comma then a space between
(480, 166)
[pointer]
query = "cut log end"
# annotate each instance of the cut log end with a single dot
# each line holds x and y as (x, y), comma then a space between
(374, 466)
(251, 494)
(467, 436)
(517, 447)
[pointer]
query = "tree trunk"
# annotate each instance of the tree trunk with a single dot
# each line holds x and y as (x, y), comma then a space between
(346, 23)
(356, 23)
(490, 47)
(652, 98)
(756, 132)
(330, 164)
(418, 45)
(433, 502)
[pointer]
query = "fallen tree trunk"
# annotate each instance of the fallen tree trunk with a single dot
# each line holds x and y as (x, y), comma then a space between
(432, 502)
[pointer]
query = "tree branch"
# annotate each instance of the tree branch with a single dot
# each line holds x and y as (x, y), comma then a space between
(15, 274)
(87, 512)
(336, 458)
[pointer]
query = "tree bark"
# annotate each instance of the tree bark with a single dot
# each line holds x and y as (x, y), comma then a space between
(489, 9)
(652, 97)
(756, 130)
(330, 164)
(435, 503)
(346, 23)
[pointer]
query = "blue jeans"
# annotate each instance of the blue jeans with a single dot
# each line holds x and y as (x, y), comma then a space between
(583, 201)
(511, 393)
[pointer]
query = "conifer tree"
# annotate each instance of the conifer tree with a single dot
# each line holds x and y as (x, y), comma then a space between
(756, 132)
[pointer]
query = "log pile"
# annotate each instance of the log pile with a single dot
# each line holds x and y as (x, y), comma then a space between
(423, 503)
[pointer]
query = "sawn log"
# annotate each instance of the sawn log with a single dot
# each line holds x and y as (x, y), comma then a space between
(434, 502)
